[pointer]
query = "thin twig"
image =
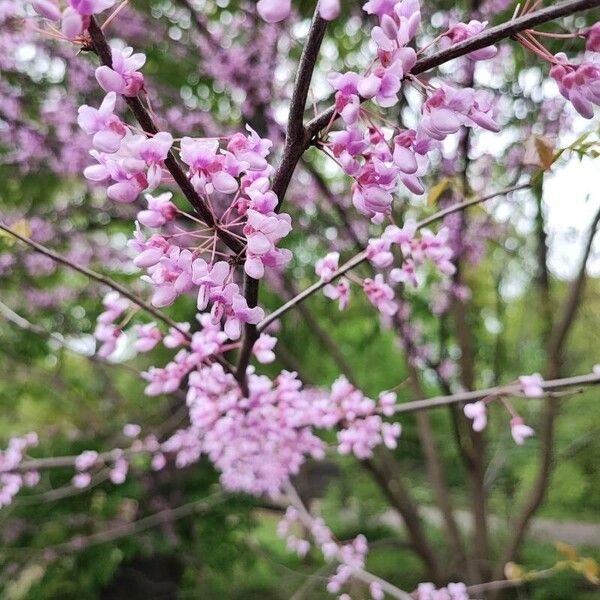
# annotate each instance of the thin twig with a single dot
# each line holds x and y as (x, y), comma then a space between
(362, 256)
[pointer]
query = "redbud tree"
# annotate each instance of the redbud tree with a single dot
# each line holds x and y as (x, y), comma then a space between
(299, 242)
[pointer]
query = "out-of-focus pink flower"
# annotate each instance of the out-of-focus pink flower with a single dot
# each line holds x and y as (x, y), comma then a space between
(532, 385)
(263, 348)
(325, 267)
(519, 431)
(329, 9)
(273, 11)
(477, 412)
(47, 8)
(148, 336)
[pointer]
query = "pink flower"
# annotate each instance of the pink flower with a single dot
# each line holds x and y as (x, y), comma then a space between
(531, 385)
(519, 431)
(273, 11)
(263, 348)
(380, 295)
(593, 38)
(387, 402)
(477, 412)
(160, 210)
(208, 168)
(148, 336)
(376, 591)
(118, 473)
(241, 313)
(72, 23)
(340, 292)
(329, 9)
(175, 338)
(131, 430)
(86, 460)
(81, 480)
(107, 129)
(325, 267)
(463, 31)
(91, 7)
(153, 151)
(124, 77)
(114, 306)
(378, 252)
(383, 85)
(47, 8)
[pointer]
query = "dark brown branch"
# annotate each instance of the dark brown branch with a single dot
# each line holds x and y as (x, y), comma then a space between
(103, 51)
(486, 38)
(295, 144)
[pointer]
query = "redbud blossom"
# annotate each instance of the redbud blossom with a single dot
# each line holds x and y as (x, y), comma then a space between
(519, 431)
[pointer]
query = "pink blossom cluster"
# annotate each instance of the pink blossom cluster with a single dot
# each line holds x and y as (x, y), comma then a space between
(132, 163)
(75, 17)
(580, 84)
(351, 555)
(453, 591)
(258, 442)
(376, 160)
(415, 250)
(206, 342)
(10, 458)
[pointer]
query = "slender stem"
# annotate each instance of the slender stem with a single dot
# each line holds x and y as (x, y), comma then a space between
(549, 386)
(362, 256)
